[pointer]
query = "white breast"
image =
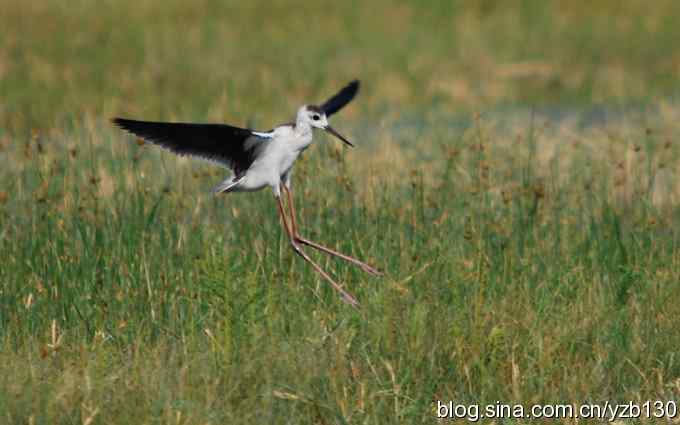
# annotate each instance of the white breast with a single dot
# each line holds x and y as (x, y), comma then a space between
(290, 145)
(284, 148)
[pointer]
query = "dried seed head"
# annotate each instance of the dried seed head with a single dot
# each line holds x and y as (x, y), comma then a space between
(539, 191)
(506, 196)
(452, 153)
(28, 153)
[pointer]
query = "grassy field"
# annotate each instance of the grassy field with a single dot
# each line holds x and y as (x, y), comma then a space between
(516, 176)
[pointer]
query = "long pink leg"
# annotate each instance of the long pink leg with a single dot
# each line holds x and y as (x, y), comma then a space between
(291, 206)
(365, 267)
(346, 296)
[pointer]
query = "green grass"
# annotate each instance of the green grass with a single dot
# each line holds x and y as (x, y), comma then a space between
(225, 60)
(528, 259)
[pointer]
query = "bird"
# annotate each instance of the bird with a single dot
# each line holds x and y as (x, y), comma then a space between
(259, 159)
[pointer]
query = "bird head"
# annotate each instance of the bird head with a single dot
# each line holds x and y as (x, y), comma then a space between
(315, 117)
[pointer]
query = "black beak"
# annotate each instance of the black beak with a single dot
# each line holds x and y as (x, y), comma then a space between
(329, 129)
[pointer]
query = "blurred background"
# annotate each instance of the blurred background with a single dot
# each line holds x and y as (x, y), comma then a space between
(516, 174)
(256, 61)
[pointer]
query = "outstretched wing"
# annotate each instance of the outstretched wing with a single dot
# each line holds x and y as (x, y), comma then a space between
(233, 147)
(342, 98)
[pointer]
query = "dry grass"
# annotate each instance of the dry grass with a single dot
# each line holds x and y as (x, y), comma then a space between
(531, 257)
(234, 61)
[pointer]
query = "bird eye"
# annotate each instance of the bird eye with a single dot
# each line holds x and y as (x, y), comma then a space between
(315, 117)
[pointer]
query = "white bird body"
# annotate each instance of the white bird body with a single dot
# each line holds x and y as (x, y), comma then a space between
(258, 159)
(283, 146)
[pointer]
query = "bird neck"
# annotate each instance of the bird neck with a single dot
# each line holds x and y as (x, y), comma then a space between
(302, 128)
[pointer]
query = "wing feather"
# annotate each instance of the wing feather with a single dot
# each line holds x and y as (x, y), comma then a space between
(231, 146)
(341, 98)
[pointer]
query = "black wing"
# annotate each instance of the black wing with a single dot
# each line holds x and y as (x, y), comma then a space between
(234, 147)
(342, 98)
